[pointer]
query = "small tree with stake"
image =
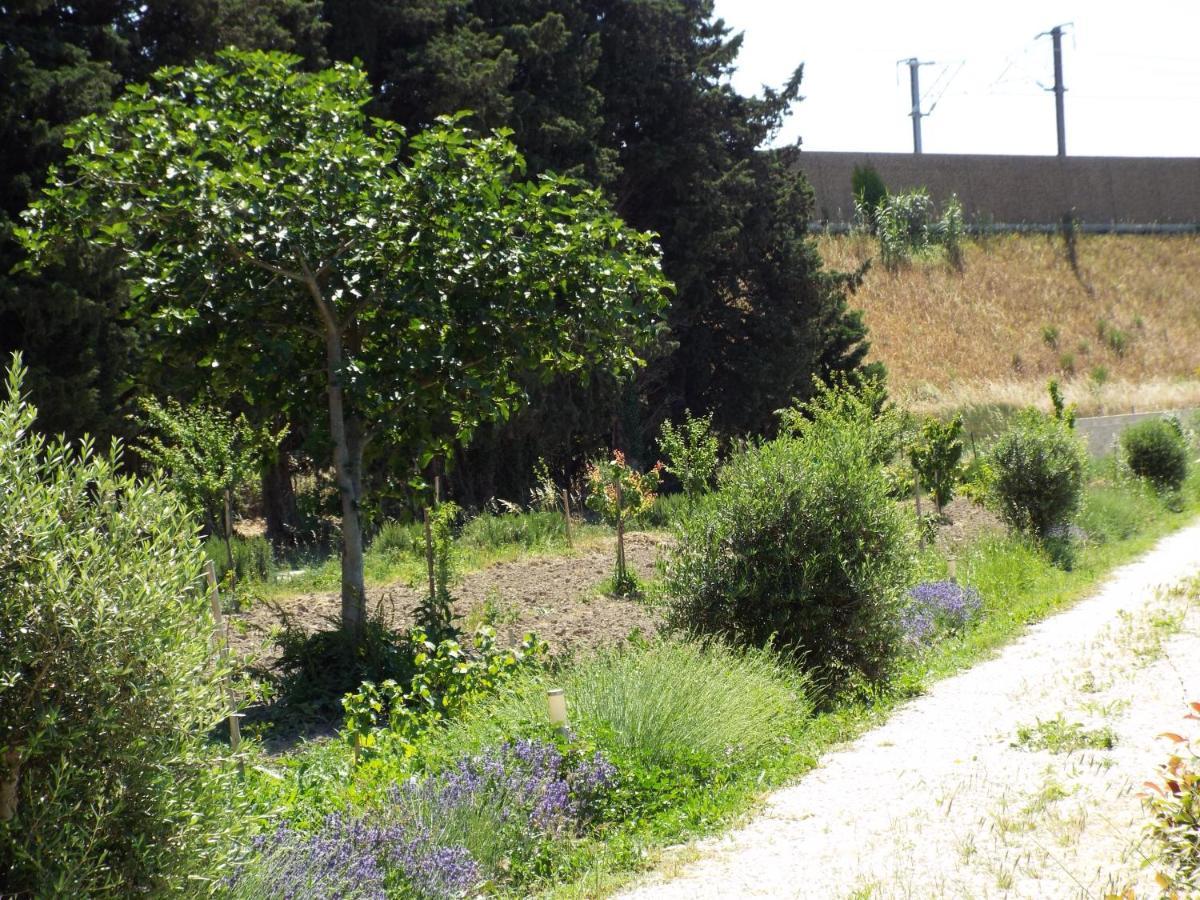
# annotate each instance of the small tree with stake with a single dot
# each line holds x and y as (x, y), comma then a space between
(618, 492)
(246, 197)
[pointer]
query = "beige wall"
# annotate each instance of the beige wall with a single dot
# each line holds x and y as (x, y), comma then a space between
(1021, 189)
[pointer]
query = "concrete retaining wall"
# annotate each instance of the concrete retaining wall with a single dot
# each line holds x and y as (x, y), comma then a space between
(1017, 190)
(1102, 432)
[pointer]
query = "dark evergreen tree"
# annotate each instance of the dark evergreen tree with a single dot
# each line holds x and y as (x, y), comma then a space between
(59, 61)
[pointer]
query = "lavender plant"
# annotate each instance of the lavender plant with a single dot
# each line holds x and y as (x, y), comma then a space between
(937, 607)
(441, 836)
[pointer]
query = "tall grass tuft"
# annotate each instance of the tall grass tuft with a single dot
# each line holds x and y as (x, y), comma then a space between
(528, 530)
(669, 704)
(253, 558)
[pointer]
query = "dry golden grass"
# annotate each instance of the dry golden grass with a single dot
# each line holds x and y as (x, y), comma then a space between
(953, 339)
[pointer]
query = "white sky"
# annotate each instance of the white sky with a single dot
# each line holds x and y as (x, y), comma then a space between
(1131, 67)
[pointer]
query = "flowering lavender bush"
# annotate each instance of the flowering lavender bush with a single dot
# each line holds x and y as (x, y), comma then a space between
(437, 837)
(938, 606)
(506, 803)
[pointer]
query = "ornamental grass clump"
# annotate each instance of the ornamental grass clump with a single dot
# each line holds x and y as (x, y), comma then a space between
(938, 607)
(671, 705)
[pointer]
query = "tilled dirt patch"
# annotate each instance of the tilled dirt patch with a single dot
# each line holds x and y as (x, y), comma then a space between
(554, 596)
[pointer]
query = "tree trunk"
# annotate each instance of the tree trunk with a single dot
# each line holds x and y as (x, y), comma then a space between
(279, 502)
(9, 783)
(347, 461)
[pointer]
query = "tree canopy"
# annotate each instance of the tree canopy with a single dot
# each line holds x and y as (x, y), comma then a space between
(634, 97)
(421, 275)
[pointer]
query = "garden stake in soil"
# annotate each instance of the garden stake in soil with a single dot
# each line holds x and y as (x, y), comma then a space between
(567, 515)
(429, 556)
(221, 637)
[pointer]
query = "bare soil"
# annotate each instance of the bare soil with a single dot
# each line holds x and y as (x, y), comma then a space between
(963, 522)
(555, 596)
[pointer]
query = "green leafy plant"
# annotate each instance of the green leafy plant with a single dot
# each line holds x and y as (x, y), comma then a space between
(1050, 335)
(1060, 736)
(1174, 803)
(908, 225)
(544, 496)
(1155, 449)
(936, 455)
(691, 453)
(1037, 473)
(951, 231)
(435, 614)
(209, 455)
(801, 545)
(1062, 412)
(617, 492)
(446, 678)
(107, 683)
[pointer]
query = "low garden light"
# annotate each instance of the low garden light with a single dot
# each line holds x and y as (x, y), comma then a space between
(556, 703)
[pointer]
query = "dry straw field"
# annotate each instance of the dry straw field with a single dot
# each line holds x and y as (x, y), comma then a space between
(1123, 334)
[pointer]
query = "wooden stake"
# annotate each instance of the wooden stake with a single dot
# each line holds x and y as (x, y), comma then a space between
(429, 555)
(620, 534)
(917, 496)
(229, 546)
(221, 638)
(437, 490)
(567, 516)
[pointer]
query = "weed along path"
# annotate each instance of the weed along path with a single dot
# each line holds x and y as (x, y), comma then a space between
(1017, 778)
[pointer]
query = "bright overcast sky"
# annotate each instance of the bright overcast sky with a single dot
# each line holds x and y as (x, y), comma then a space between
(1131, 67)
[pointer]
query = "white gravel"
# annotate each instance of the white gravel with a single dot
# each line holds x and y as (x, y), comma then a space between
(944, 800)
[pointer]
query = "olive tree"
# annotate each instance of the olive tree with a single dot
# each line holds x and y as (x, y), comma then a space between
(422, 277)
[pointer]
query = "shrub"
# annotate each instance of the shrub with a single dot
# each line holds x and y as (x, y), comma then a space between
(106, 682)
(446, 677)
(691, 452)
(800, 545)
(1155, 449)
(1037, 474)
(936, 454)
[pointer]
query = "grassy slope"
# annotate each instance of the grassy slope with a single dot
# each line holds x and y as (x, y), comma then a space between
(951, 340)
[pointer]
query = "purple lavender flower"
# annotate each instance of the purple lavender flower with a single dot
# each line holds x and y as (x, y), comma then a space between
(339, 862)
(935, 606)
(527, 791)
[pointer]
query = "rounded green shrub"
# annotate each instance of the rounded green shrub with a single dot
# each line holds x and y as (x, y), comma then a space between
(1156, 450)
(801, 546)
(1037, 469)
(108, 690)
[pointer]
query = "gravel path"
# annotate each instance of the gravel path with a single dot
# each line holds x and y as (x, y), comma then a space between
(947, 800)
